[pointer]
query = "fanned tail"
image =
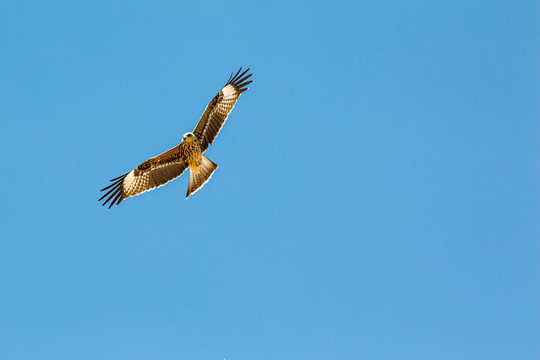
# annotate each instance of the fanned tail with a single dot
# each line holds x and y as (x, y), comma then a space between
(201, 177)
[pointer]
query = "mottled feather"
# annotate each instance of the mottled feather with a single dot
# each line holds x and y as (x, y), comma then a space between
(219, 108)
(151, 174)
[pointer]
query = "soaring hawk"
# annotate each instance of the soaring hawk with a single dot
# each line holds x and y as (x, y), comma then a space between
(159, 170)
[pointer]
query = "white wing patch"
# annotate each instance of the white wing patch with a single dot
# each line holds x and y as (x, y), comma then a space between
(229, 91)
(129, 181)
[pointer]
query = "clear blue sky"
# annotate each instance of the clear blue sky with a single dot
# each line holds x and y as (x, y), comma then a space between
(377, 197)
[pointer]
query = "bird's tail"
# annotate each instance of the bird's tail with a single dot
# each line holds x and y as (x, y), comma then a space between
(200, 177)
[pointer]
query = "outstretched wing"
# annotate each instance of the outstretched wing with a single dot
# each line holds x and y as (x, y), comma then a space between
(152, 173)
(220, 107)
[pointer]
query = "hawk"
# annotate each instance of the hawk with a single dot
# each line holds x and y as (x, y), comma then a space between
(161, 169)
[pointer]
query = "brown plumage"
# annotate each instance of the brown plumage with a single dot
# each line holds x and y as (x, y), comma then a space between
(161, 169)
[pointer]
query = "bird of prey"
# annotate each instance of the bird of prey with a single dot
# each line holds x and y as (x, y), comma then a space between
(161, 169)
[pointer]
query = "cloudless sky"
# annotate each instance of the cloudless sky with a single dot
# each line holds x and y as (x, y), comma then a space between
(377, 197)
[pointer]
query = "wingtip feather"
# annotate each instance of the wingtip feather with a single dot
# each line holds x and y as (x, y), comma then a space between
(239, 80)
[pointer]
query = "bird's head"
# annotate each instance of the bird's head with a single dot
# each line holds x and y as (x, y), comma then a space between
(188, 137)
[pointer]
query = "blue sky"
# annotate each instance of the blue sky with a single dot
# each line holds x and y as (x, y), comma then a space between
(377, 195)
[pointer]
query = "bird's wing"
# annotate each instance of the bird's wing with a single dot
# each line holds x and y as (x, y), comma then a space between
(152, 173)
(219, 108)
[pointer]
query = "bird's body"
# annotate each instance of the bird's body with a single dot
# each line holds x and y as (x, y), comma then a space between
(191, 151)
(161, 169)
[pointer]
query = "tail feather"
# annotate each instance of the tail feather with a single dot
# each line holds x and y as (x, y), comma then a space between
(198, 178)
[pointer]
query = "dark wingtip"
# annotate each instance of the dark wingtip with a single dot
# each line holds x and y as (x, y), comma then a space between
(115, 199)
(114, 193)
(239, 80)
(118, 177)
